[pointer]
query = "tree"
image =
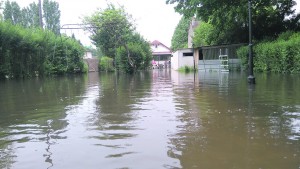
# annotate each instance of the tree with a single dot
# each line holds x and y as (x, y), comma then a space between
(180, 35)
(113, 32)
(33, 15)
(203, 34)
(230, 18)
(51, 16)
(110, 28)
(140, 53)
(1, 8)
(12, 12)
(29, 16)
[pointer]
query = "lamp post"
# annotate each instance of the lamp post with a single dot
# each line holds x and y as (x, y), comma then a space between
(251, 78)
(193, 45)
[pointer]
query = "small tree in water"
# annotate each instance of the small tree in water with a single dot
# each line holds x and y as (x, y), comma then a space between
(112, 30)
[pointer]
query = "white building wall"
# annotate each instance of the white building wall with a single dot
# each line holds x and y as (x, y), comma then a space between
(186, 61)
(88, 55)
(174, 61)
(178, 60)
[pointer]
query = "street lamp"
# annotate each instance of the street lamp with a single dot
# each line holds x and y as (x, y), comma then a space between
(251, 78)
(193, 45)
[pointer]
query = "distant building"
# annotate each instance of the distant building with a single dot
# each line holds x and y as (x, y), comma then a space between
(206, 58)
(161, 53)
(193, 25)
(183, 57)
(88, 55)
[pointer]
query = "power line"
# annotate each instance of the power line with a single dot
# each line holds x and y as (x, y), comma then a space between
(79, 26)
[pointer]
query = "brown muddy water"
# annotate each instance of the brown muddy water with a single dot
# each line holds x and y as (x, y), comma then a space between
(151, 120)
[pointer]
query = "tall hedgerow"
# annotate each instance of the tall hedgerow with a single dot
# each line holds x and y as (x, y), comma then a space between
(32, 52)
(282, 55)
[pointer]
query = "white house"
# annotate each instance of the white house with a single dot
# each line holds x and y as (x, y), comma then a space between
(160, 52)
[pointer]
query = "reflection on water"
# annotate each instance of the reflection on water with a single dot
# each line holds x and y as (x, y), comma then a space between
(158, 119)
(228, 125)
(32, 119)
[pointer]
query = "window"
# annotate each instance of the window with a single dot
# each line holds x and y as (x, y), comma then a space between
(188, 54)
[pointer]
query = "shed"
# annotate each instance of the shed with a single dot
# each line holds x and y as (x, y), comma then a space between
(182, 57)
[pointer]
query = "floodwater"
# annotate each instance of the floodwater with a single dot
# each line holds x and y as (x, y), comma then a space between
(151, 120)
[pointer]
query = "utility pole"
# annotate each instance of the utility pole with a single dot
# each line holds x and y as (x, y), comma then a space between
(251, 78)
(40, 14)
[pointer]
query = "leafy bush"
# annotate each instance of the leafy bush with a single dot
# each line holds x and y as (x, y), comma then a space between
(203, 34)
(32, 52)
(242, 53)
(186, 69)
(282, 55)
(106, 64)
(140, 56)
(285, 35)
(85, 67)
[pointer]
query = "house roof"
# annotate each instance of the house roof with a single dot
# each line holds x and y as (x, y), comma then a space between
(157, 43)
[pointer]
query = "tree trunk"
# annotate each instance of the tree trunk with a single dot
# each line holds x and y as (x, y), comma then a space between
(40, 14)
(128, 56)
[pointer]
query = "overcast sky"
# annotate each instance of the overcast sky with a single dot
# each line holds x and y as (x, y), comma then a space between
(154, 19)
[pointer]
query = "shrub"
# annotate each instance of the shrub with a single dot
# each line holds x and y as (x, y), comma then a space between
(281, 56)
(106, 64)
(140, 56)
(242, 53)
(186, 69)
(31, 52)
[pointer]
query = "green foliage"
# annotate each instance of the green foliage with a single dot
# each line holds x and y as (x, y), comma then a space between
(203, 35)
(51, 16)
(28, 17)
(230, 18)
(32, 52)
(278, 56)
(285, 35)
(106, 64)
(12, 12)
(186, 69)
(144, 50)
(243, 53)
(85, 68)
(140, 54)
(113, 32)
(110, 28)
(180, 36)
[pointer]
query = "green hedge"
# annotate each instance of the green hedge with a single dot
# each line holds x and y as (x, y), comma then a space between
(33, 52)
(282, 55)
(106, 64)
